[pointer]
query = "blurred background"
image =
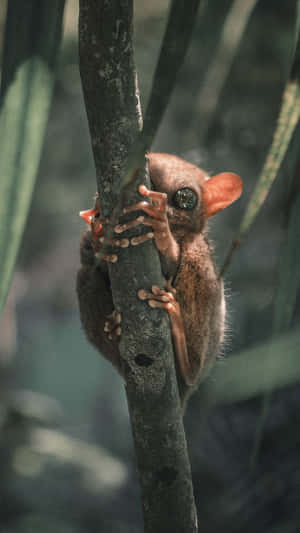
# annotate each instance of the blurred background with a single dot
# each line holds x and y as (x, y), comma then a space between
(67, 458)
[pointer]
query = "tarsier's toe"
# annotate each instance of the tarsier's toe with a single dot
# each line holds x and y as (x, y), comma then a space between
(162, 294)
(157, 298)
(143, 294)
(123, 243)
(112, 326)
(109, 258)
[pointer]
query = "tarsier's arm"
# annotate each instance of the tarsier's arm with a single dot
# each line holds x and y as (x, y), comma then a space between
(193, 296)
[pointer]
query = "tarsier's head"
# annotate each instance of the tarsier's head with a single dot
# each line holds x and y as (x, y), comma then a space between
(193, 196)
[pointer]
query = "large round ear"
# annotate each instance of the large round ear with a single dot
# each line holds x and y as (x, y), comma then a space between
(220, 191)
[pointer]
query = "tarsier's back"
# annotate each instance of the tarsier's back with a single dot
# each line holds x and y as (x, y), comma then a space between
(182, 199)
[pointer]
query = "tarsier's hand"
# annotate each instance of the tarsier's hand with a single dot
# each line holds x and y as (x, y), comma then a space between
(97, 223)
(157, 219)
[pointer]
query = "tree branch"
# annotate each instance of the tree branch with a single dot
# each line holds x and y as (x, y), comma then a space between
(113, 109)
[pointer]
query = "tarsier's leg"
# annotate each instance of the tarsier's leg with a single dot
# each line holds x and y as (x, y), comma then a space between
(94, 283)
(166, 300)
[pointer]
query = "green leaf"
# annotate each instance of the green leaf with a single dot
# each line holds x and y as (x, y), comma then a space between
(32, 35)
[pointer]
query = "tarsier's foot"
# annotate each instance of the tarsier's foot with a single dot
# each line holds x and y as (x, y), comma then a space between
(165, 299)
(160, 298)
(112, 326)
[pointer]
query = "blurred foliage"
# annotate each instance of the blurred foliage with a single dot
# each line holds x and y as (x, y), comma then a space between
(263, 367)
(55, 489)
(31, 42)
(287, 122)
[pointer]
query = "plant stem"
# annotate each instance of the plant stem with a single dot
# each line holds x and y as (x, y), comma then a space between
(113, 108)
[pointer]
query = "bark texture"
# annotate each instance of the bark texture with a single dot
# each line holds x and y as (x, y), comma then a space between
(113, 109)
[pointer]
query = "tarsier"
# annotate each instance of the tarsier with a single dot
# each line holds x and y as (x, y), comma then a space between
(182, 199)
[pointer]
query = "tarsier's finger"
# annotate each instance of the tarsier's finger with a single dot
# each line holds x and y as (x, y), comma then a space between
(146, 207)
(135, 207)
(158, 198)
(119, 228)
(141, 238)
(145, 221)
(122, 243)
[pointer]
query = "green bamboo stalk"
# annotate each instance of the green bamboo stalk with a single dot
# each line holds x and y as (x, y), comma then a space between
(32, 36)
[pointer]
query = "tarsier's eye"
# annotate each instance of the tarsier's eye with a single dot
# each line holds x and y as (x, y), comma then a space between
(185, 199)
